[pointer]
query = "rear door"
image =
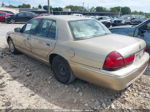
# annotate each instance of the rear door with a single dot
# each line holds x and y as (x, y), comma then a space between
(144, 33)
(44, 40)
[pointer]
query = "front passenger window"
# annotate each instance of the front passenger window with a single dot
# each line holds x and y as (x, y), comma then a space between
(31, 27)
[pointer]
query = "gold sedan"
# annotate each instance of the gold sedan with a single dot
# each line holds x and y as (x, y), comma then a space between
(81, 47)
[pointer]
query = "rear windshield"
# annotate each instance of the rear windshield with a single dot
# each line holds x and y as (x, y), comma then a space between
(89, 28)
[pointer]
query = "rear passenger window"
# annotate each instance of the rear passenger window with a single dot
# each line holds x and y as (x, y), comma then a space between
(47, 29)
(44, 28)
(31, 27)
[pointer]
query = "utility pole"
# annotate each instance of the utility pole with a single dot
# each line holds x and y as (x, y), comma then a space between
(120, 12)
(9, 2)
(83, 6)
(49, 7)
(3, 4)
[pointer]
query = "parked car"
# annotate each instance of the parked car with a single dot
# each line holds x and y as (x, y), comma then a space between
(77, 15)
(82, 48)
(44, 14)
(137, 21)
(118, 22)
(128, 20)
(124, 20)
(105, 20)
(121, 21)
(21, 17)
(141, 31)
(3, 16)
(7, 11)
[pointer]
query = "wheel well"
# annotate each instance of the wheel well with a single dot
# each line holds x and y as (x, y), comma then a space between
(51, 57)
(9, 38)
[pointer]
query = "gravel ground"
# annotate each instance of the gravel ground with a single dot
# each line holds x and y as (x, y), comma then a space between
(26, 83)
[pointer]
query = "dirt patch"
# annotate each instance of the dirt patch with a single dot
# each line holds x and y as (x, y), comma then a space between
(28, 83)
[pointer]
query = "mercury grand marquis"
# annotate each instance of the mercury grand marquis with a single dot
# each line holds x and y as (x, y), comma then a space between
(83, 48)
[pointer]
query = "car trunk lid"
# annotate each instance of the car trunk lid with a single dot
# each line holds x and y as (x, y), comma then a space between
(96, 49)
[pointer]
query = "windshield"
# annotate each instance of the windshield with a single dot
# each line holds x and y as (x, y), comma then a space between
(84, 29)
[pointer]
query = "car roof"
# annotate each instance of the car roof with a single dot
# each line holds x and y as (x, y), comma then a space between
(25, 12)
(64, 17)
(5, 13)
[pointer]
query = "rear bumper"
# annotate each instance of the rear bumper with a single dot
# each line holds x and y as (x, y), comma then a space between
(117, 80)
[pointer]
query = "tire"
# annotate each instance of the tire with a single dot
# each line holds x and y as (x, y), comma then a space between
(12, 21)
(12, 48)
(6, 21)
(62, 70)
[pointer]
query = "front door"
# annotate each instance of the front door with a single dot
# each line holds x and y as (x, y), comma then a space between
(144, 33)
(43, 42)
(24, 37)
(19, 40)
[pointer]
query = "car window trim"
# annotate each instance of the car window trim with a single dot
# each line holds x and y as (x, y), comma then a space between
(55, 31)
(49, 28)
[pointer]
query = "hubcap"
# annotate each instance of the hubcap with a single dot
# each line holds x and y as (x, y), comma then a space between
(11, 46)
(62, 70)
(12, 21)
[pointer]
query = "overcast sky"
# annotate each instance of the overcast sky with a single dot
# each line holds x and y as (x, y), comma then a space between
(140, 5)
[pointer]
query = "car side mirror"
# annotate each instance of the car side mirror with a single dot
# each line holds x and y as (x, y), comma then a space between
(17, 29)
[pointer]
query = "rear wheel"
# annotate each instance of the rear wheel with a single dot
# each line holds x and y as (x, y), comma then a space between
(12, 21)
(12, 48)
(62, 70)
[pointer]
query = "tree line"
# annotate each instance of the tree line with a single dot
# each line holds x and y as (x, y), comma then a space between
(119, 10)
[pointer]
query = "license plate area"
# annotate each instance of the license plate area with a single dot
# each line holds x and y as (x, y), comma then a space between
(139, 55)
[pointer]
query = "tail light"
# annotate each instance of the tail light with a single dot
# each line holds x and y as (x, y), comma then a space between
(129, 60)
(115, 61)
